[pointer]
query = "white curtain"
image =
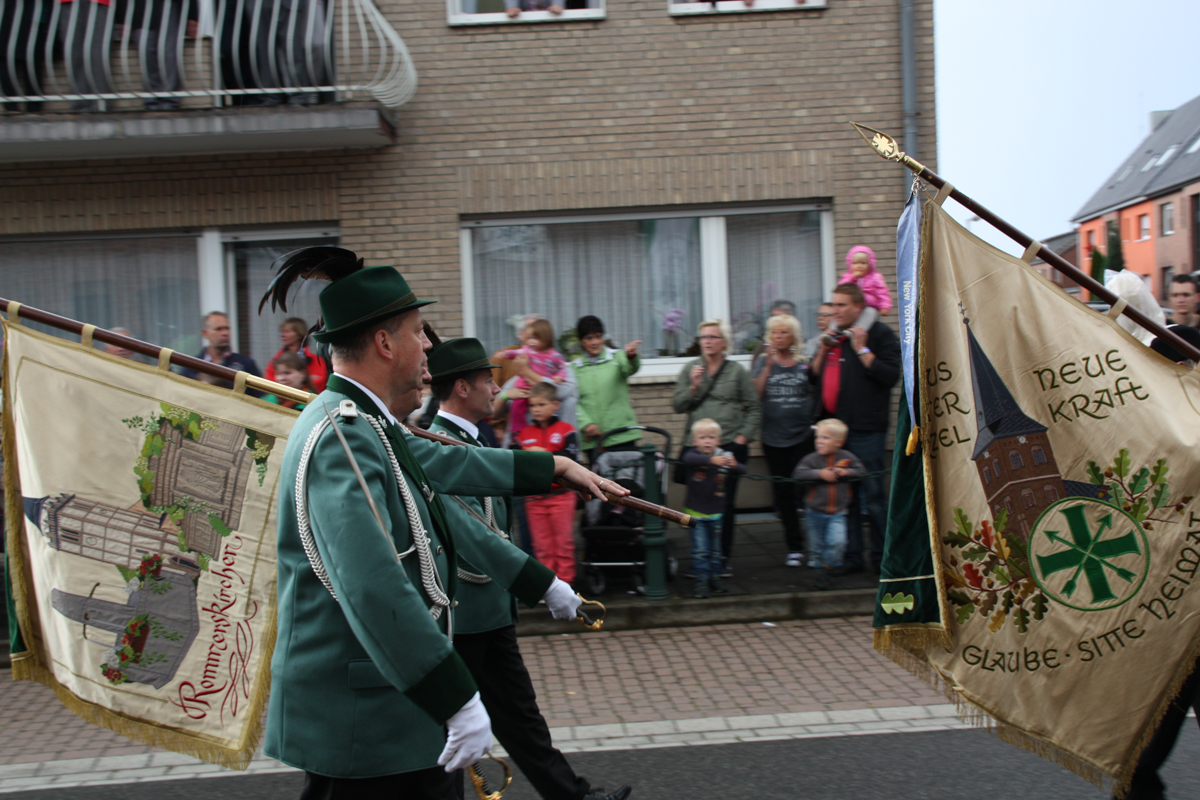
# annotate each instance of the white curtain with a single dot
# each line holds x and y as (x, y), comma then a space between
(631, 274)
(772, 257)
(148, 285)
(258, 336)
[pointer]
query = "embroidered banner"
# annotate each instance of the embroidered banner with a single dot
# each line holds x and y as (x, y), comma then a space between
(1059, 471)
(140, 512)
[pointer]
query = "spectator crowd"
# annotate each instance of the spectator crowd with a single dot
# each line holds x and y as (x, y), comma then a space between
(818, 407)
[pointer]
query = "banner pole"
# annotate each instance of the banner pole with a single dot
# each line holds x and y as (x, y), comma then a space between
(886, 147)
(264, 385)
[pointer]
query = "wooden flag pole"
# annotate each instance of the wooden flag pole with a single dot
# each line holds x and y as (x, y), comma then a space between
(278, 389)
(886, 147)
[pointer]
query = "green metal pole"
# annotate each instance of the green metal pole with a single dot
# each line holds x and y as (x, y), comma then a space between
(654, 539)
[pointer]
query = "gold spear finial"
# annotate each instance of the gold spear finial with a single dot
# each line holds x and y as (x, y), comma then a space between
(887, 147)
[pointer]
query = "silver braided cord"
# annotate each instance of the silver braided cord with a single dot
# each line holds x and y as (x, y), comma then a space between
(430, 580)
(302, 519)
(490, 523)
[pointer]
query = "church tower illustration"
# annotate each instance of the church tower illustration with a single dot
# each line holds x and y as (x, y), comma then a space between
(1012, 454)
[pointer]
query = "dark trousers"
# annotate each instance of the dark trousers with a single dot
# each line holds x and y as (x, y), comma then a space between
(159, 41)
(781, 461)
(422, 784)
(1146, 785)
(81, 28)
(869, 495)
(28, 71)
(494, 660)
(524, 540)
(729, 517)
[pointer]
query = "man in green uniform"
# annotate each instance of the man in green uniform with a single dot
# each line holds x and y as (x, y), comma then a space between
(368, 695)
(487, 638)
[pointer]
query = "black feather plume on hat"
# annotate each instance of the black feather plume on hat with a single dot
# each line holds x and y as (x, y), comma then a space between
(321, 262)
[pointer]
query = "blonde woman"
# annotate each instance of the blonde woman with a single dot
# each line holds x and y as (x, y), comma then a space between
(713, 387)
(788, 403)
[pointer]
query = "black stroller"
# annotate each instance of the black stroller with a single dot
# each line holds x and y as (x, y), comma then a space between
(612, 535)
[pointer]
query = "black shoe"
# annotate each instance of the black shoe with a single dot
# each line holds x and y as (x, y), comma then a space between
(616, 794)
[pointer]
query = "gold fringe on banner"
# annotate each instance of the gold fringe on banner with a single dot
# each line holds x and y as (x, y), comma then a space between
(14, 516)
(28, 666)
(192, 744)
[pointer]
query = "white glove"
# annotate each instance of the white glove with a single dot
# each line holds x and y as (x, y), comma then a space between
(468, 736)
(562, 600)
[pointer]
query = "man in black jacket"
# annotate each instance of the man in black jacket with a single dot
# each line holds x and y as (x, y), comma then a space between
(856, 377)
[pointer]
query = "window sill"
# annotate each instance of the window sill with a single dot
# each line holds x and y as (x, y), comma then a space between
(568, 15)
(666, 370)
(739, 7)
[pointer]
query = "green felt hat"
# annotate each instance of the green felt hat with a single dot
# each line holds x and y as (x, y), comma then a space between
(455, 357)
(363, 298)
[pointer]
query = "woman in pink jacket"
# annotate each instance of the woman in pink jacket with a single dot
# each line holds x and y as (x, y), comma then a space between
(860, 264)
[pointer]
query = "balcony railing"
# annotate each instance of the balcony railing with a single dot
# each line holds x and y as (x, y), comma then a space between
(160, 55)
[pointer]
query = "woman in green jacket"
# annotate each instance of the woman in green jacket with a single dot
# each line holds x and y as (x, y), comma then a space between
(716, 388)
(602, 375)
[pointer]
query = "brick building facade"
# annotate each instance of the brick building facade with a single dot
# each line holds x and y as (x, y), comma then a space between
(1153, 202)
(729, 130)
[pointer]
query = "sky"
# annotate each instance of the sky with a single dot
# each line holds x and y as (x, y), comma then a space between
(1039, 101)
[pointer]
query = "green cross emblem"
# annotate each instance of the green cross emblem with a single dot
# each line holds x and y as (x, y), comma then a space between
(1111, 563)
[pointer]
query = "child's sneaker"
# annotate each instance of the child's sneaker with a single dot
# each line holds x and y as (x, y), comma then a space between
(717, 587)
(795, 560)
(701, 591)
(831, 337)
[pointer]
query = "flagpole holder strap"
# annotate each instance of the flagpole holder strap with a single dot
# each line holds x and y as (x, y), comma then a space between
(1031, 251)
(14, 312)
(1117, 307)
(239, 382)
(164, 358)
(943, 193)
(85, 335)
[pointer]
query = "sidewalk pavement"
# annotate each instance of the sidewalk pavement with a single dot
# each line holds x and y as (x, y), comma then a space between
(599, 691)
(762, 588)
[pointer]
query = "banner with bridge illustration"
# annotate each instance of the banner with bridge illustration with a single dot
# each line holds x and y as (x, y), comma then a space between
(140, 515)
(1055, 588)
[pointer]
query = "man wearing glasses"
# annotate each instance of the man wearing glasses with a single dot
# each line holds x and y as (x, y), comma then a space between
(824, 317)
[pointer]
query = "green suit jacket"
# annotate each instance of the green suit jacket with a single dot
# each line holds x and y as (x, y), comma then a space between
(481, 607)
(362, 686)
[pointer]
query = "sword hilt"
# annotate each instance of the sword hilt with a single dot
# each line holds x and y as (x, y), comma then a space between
(588, 622)
(480, 784)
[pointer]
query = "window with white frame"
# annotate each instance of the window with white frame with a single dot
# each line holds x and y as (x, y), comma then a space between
(148, 285)
(648, 277)
(249, 258)
(1167, 216)
(1143, 226)
(159, 285)
(681, 7)
(503, 12)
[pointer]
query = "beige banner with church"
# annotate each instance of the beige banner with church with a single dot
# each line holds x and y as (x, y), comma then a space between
(140, 514)
(1060, 468)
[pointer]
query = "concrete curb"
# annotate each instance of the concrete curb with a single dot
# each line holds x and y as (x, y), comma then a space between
(677, 613)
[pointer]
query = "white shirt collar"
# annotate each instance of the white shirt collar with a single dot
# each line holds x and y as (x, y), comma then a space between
(374, 398)
(469, 427)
